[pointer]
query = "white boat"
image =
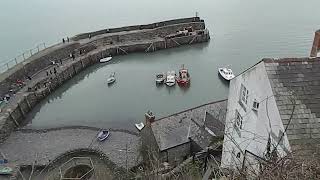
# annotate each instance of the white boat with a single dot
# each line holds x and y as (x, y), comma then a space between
(111, 78)
(107, 59)
(139, 126)
(160, 78)
(226, 73)
(103, 135)
(171, 78)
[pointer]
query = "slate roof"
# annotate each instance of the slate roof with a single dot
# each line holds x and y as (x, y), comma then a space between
(173, 130)
(296, 85)
(215, 125)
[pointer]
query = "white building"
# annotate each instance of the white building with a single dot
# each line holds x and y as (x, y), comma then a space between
(264, 100)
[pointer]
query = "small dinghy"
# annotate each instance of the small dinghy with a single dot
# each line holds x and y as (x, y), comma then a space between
(107, 59)
(139, 126)
(5, 170)
(111, 78)
(226, 73)
(171, 78)
(103, 135)
(160, 78)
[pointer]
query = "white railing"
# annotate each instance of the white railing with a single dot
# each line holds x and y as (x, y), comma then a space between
(22, 57)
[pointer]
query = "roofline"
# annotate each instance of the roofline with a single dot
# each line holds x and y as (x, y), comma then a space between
(175, 146)
(190, 109)
(288, 60)
(279, 60)
(248, 68)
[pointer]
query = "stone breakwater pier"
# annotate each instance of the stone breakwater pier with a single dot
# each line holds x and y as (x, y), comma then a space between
(28, 82)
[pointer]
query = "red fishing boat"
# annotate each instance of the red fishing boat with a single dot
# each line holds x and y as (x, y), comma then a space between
(183, 77)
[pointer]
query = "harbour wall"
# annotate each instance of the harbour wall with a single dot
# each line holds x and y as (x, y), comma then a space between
(138, 27)
(14, 113)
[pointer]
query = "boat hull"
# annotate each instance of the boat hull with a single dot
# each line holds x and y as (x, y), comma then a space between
(183, 82)
(103, 135)
(225, 77)
(104, 60)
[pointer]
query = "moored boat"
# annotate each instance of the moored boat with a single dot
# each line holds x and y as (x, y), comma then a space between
(183, 77)
(5, 170)
(160, 78)
(139, 126)
(103, 135)
(226, 73)
(107, 59)
(171, 78)
(111, 78)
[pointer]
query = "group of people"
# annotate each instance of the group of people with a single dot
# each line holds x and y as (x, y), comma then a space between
(67, 40)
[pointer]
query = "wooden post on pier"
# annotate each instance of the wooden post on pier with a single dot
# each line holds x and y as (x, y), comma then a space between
(147, 50)
(21, 110)
(12, 117)
(193, 39)
(176, 42)
(27, 100)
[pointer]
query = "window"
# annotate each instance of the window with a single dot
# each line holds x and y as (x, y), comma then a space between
(244, 95)
(239, 119)
(238, 155)
(255, 105)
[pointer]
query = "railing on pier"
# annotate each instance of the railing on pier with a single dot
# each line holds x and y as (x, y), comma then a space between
(22, 57)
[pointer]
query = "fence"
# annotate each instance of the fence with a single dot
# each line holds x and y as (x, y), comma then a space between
(25, 55)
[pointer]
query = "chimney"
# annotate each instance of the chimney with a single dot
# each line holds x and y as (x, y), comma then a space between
(149, 118)
(316, 44)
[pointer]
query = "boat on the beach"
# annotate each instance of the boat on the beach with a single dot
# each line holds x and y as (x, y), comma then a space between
(103, 135)
(226, 73)
(160, 78)
(5, 170)
(107, 59)
(171, 78)
(139, 126)
(111, 78)
(183, 77)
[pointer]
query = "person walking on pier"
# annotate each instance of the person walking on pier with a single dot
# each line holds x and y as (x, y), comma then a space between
(68, 39)
(72, 56)
(63, 40)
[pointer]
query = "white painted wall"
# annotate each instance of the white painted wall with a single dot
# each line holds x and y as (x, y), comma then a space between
(256, 128)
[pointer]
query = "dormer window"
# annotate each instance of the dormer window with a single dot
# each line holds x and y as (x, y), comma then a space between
(255, 105)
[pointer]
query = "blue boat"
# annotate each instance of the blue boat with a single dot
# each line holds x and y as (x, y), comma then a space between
(103, 135)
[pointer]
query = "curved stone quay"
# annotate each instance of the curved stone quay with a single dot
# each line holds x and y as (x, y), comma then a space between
(30, 81)
(26, 147)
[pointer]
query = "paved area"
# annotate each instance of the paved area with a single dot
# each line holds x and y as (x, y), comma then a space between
(24, 148)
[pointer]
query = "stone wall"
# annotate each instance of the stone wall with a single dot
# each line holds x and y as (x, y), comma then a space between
(137, 27)
(176, 154)
(24, 101)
